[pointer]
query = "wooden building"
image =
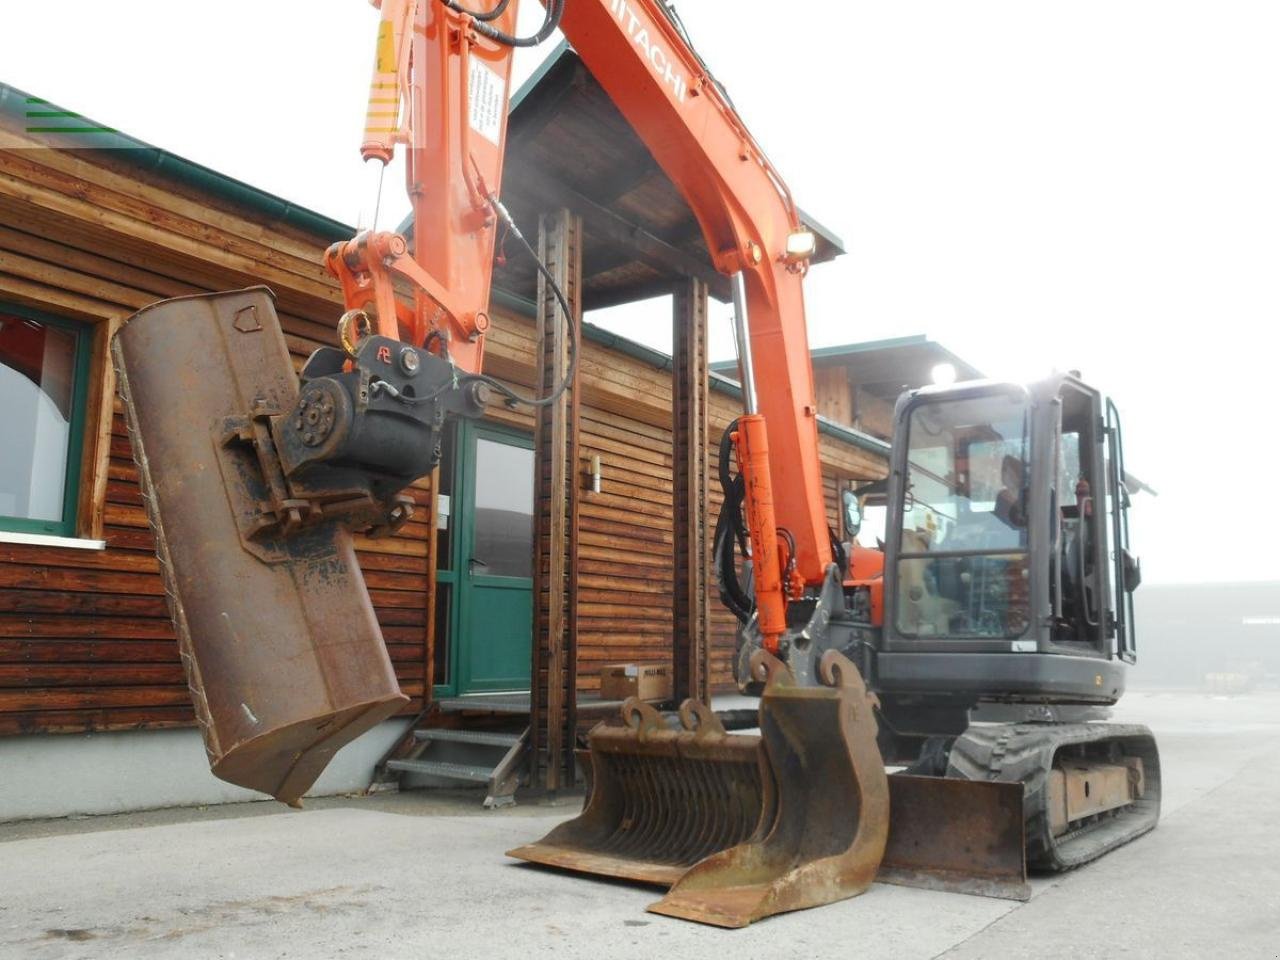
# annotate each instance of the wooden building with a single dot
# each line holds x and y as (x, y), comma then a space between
(517, 574)
(858, 383)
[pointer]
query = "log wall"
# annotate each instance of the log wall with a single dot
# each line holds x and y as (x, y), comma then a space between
(85, 639)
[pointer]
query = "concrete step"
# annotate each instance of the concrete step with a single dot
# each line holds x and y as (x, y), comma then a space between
(513, 703)
(483, 738)
(438, 768)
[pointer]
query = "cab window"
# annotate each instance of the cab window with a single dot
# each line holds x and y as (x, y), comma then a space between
(963, 567)
(968, 476)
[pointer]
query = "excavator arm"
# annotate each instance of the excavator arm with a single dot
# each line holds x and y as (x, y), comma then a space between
(439, 90)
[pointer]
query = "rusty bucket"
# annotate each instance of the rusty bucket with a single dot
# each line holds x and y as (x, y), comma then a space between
(740, 827)
(662, 800)
(283, 655)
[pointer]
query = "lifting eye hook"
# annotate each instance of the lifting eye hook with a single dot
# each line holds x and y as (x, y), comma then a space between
(357, 319)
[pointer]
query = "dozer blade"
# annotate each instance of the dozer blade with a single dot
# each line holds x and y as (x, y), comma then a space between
(740, 827)
(283, 655)
(962, 836)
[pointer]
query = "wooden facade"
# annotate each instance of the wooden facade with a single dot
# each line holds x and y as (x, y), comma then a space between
(85, 639)
(859, 383)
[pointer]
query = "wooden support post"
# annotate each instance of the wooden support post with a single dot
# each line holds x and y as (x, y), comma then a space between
(99, 419)
(691, 540)
(557, 475)
(431, 562)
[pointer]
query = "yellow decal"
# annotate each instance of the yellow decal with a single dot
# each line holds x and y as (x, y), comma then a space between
(386, 57)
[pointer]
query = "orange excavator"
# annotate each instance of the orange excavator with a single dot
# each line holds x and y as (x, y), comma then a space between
(984, 595)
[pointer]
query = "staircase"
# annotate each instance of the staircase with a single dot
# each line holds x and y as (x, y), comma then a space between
(476, 739)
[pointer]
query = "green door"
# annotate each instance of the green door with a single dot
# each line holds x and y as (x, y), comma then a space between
(490, 573)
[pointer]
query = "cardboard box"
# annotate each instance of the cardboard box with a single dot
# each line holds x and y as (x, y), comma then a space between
(648, 681)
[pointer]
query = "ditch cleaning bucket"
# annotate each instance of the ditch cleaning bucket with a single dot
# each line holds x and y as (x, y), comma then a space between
(283, 655)
(740, 827)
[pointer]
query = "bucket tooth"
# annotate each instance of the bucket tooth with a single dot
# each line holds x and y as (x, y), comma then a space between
(739, 827)
(283, 654)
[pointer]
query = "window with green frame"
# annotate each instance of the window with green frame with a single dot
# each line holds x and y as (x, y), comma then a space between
(44, 383)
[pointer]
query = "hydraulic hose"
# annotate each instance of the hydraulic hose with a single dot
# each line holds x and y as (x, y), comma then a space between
(731, 536)
(570, 322)
(555, 9)
(731, 532)
(838, 551)
(482, 17)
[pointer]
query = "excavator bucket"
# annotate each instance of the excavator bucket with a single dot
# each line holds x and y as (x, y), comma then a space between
(283, 655)
(739, 827)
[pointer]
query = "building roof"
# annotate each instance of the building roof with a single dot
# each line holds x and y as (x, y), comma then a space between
(568, 145)
(884, 368)
(72, 131)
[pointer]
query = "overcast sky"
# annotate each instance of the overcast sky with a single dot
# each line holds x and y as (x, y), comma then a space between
(1093, 185)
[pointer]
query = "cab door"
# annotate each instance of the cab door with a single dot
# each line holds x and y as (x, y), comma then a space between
(1122, 585)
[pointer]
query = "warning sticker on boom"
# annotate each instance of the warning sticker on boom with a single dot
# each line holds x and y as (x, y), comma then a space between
(488, 100)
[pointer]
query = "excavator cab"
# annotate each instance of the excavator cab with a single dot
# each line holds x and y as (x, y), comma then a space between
(1008, 575)
(1008, 597)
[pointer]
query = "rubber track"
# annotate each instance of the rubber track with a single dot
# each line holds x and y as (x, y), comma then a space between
(1024, 752)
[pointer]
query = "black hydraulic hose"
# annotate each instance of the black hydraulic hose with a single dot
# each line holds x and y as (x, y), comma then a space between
(570, 322)
(732, 595)
(732, 505)
(555, 9)
(731, 530)
(791, 554)
(838, 551)
(480, 16)
(731, 526)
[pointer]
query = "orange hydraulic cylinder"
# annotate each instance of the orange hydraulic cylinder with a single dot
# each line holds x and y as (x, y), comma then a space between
(382, 127)
(459, 124)
(752, 442)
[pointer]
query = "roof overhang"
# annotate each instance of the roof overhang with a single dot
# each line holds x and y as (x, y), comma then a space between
(569, 146)
(885, 368)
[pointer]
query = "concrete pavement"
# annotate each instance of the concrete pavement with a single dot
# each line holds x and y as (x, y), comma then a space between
(420, 876)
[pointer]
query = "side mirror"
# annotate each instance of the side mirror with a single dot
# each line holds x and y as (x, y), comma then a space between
(1132, 570)
(852, 513)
